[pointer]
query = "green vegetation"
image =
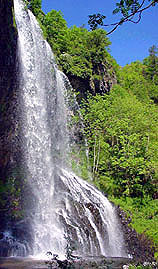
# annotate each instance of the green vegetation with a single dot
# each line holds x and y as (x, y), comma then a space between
(144, 216)
(122, 139)
(34, 6)
(122, 133)
(128, 10)
(78, 52)
(10, 198)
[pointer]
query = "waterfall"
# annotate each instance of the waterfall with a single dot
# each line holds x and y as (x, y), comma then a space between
(60, 205)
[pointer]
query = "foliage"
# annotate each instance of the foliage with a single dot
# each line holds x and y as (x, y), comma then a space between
(95, 20)
(76, 57)
(79, 162)
(150, 72)
(77, 50)
(131, 7)
(122, 139)
(144, 216)
(130, 11)
(34, 6)
(121, 130)
(55, 27)
(10, 194)
(133, 78)
(142, 78)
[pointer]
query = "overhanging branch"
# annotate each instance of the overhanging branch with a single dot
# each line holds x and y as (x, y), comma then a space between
(130, 18)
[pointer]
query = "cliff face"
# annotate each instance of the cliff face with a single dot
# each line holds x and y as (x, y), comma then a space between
(9, 140)
(7, 46)
(8, 42)
(108, 78)
(101, 82)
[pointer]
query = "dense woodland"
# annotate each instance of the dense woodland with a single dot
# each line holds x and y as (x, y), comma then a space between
(120, 121)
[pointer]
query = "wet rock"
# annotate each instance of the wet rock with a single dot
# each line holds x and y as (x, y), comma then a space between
(102, 85)
(138, 245)
(84, 263)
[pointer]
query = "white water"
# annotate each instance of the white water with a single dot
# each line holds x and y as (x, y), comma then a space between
(63, 204)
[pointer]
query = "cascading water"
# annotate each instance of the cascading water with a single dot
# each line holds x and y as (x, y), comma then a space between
(62, 205)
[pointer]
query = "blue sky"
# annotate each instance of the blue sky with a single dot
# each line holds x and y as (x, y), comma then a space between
(130, 42)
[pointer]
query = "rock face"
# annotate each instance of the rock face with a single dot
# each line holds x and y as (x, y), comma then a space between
(7, 78)
(9, 140)
(138, 245)
(103, 79)
(108, 78)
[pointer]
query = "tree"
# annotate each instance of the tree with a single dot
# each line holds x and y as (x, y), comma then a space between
(122, 140)
(55, 27)
(132, 79)
(78, 51)
(130, 10)
(151, 62)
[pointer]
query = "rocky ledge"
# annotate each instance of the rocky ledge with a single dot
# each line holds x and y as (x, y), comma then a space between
(139, 246)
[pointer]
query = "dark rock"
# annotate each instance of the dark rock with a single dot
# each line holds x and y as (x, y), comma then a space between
(11, 168)
(8, 43)
(101, 83)
(8, 147)
(138, 245)
(95, 262)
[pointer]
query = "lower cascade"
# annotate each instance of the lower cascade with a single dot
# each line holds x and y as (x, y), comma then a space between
(58, 204)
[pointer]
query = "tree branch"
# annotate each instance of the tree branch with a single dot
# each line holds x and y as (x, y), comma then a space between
(130, 17)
